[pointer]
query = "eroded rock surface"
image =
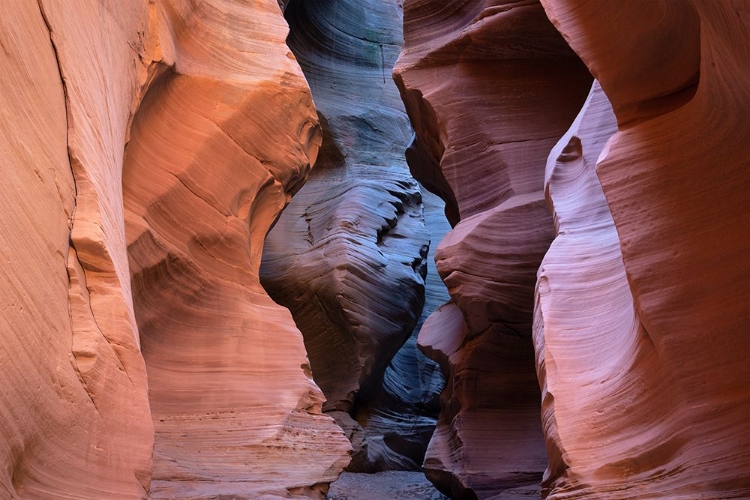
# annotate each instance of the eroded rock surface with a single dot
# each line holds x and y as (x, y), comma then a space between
(347, 256)
(392, 484)
(235, 409)
(220, 140)
(646, 277)
(149, 146)
(489, 87)
(74, 418)
(403, 413)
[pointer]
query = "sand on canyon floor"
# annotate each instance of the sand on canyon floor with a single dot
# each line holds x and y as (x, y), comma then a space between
(401, 485)
(396, 485)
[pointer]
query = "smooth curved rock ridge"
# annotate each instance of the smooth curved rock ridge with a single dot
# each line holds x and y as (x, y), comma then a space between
(489, 88)
(347, 256)
(484, 107)
(596, 362)
(220, 142)
(655, 81)
(675, 179)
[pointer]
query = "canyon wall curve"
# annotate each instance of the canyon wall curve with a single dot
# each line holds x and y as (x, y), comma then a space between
(348, 255)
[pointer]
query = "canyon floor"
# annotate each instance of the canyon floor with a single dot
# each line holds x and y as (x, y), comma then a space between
(402, 485)
(384, 485)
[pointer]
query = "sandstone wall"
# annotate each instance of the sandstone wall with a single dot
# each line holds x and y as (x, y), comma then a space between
(639, 325)
(646, 277)
(148, 149)
(489, 87)
(347, 257)
(75, 417)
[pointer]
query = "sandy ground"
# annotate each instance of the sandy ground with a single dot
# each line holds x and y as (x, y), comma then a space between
(384, 486)
(406, 486)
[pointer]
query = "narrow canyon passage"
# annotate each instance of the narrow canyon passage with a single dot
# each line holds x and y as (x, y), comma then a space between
(349, 255)
(374, 249)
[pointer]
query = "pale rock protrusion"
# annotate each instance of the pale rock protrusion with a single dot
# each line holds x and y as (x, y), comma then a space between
(656, 403)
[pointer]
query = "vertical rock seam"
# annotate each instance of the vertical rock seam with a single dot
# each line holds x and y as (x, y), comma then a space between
(78, 422)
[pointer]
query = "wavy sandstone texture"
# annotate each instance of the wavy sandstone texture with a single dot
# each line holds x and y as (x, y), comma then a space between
(220, 140)
(235, 410)
(490, 87)
(347, 256)
(404, 410)
(75, 420)
(643, 305)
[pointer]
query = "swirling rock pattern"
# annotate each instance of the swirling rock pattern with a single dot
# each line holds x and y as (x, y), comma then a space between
(642, 350)
(489, 87)
(220, 140)
(347, 256)
(234, 408)
(401, 417)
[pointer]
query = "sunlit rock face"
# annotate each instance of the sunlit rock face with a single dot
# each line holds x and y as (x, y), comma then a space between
(218, 146)
(641, 324)
(489, 87)
(74, 417)
(146, 152)
(347, 256)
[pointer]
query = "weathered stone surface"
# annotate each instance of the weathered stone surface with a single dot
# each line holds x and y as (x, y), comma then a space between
(399, 485)
(401, 417)
(234, 408)
(484, 108)
(652, 402)
(347, 256)
(220, 140)
(149, 146)
(489, 87)
(75, 420)
(491, 403)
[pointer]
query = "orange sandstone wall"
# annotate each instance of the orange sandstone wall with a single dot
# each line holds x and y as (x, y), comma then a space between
(220, 142)
(147, 150)
(75, 418)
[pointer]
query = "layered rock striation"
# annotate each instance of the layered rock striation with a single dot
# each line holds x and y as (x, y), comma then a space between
(403, 412)
(231, 393)
(152, 151)
(148, 148)
(74, 412)
(347, 256)
(489, 87)
(641, 320)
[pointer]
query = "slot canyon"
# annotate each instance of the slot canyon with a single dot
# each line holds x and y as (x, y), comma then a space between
(375, 249)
